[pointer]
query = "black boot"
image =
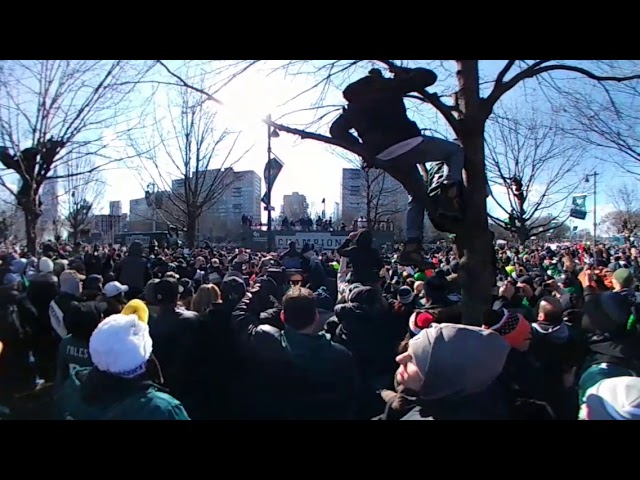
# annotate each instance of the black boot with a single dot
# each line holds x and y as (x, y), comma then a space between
(411, 254)
(450, 202)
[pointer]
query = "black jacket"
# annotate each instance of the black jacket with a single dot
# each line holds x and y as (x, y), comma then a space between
(376, 110)
(288, 374)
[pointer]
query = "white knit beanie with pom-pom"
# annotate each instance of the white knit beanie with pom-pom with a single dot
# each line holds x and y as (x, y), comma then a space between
(121, 345)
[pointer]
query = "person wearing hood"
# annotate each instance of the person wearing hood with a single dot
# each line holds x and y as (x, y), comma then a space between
(124, 382)
(19, 267)
(133, 271)
(454, 369)
(291, 259)
(312, 268)
(43, 288)
(365, 260)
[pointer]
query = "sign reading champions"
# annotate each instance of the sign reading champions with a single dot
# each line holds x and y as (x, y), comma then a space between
(320, 240)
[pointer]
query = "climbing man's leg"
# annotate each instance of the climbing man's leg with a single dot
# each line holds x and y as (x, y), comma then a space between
(413, 182)
(432, 149)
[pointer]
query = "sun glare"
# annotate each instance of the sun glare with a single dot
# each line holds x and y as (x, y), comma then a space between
(249, 99)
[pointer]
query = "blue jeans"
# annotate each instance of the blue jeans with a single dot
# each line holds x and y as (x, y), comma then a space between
(404, 169)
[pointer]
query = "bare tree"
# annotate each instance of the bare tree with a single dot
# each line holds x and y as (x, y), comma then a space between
(607, 117)
(539, 169)
(190, 163)
(467, 114)
(83, 187)
(625, 219)
(52, 109)
(377, 198)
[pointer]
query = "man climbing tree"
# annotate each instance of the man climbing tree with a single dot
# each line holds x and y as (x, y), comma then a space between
(394, 143)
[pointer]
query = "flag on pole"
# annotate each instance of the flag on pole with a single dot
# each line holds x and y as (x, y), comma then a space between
(323, 200)
(272, 170)
(579, 207)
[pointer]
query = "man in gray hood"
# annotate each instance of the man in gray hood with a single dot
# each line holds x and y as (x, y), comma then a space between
(454, 368)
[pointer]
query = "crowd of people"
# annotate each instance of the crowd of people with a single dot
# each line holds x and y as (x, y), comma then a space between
(222, 332)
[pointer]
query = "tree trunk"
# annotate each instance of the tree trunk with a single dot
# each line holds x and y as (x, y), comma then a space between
(31, 216)
(75, 233)
(523, 234)
(192, 227)
(474, 244)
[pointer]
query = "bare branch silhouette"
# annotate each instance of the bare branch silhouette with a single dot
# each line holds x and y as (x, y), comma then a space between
(189, 159)
(51, 111)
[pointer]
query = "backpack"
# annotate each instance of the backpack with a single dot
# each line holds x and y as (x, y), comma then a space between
(437, 173)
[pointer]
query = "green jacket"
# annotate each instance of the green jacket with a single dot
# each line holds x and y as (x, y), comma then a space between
(90, 394)
(73, 354)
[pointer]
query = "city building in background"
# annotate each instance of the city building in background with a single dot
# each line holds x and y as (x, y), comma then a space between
(241, 196)
(47, 224)
(373, 196)
(107, 226)
(143, 218)
(294, 206)
(115, 208)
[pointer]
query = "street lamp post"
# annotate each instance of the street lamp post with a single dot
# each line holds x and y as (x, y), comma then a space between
(271, 133)
(594, 175)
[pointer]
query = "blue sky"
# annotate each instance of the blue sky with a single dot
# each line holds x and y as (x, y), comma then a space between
(311, 167)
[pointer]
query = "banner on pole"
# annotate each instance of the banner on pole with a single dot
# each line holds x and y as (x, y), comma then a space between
(579, 207)
(272, 170)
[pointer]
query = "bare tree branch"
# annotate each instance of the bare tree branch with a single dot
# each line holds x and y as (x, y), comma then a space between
(188, 161)
(535, 165)
(83, 187)
(625, 219)
(50, 110)
(378, 196)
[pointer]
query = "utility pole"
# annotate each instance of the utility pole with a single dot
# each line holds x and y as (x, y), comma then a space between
(271, 133)
(594, 175)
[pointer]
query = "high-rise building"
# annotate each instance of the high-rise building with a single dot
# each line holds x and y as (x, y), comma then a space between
(143, 218)
(373, 195)
(239, 194)
(115, 208)
(50, 209)
(295, 206)
(107, 225)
